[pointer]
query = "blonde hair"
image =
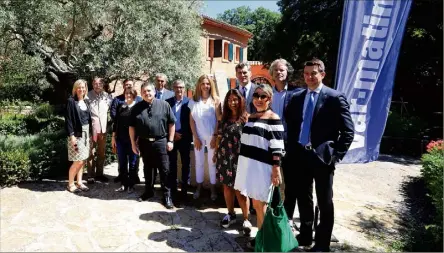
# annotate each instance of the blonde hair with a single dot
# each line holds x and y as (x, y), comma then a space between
(77, 84)
(266, 88)
(198, 92)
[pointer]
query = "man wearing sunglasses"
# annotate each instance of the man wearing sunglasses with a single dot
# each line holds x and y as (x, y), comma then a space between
(320, 131)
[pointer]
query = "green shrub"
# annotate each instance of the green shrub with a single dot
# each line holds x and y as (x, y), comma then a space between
(12, 116)
(432, 172)
(49, 156)
(403, 135)
(14, 102)
(14, 167)
(44, 110)
(42, 120)
(12, 127)
(13, 142)
(47, 153)
(41, 136)
(109, 156)
(404, 126)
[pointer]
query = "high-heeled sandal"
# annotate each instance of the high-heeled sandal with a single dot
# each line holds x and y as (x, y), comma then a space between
(82, 187)
(72, 188)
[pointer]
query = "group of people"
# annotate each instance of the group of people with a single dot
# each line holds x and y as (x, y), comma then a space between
(257, 138)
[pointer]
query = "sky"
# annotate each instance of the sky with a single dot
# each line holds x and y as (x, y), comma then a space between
(214, 7)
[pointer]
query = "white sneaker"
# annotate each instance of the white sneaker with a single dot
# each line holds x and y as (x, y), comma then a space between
(246, 227)
(228, 220)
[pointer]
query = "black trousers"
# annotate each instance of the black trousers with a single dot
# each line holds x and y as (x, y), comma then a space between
(183, 146)
(302, 168)
(154, 155)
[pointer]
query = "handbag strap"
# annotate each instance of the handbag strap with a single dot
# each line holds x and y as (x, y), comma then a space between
(271, 195)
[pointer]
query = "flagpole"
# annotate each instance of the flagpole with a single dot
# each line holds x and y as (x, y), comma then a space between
(340, 43)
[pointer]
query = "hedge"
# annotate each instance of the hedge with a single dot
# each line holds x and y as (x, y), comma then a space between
(14, 167)
(40, 140)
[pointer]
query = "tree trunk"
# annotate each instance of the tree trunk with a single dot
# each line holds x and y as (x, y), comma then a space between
(62, 87)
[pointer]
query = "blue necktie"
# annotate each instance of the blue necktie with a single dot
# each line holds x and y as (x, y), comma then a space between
(159, 93)
(308, 116)
(243, 91)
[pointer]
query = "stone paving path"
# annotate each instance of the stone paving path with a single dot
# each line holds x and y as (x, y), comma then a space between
(45, 217)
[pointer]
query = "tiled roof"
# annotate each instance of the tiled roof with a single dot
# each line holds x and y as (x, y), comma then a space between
(221, 24)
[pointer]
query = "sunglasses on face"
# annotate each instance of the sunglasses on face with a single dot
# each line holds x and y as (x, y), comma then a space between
(261, 96)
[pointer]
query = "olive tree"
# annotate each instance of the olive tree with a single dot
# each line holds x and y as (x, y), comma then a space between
(110, 38)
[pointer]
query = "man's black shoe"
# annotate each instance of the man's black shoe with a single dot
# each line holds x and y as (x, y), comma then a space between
(117, 179)
(101, 178)
(304, 241)
(183, 194)
(145, 196)
(168, 202)
(184, 190)
(91, 180)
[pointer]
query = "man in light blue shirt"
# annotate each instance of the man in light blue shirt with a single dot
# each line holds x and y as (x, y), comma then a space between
(280, 70)
(182, 140)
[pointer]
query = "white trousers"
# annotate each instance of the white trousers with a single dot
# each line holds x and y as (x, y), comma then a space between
(200, 161)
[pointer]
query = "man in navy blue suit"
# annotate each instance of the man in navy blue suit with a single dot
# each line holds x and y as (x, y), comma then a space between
(182, 138)
(320, 131)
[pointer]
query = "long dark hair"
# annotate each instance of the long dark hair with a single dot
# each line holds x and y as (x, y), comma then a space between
(241, 111)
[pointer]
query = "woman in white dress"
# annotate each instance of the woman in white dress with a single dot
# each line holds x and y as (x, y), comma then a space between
(205, 112)
(262, 148)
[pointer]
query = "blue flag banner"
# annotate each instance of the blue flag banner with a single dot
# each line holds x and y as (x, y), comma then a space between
(371, 37)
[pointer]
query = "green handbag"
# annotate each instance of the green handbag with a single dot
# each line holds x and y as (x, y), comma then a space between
(275, 234)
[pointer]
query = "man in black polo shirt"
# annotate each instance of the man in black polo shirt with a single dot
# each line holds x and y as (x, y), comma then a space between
(152, 131)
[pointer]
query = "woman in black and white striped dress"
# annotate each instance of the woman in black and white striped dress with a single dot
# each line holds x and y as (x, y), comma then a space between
(262, 148)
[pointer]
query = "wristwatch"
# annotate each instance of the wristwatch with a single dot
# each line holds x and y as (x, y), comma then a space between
(171, 142)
